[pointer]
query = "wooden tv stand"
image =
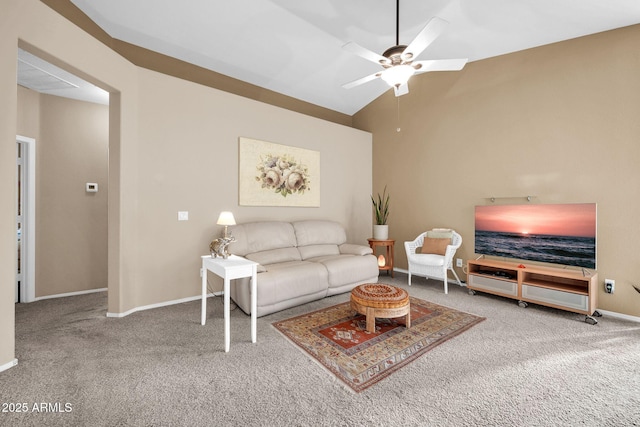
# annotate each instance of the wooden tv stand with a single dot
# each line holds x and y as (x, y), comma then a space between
(570, 290)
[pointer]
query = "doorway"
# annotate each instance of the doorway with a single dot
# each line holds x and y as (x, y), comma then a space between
(71, 120)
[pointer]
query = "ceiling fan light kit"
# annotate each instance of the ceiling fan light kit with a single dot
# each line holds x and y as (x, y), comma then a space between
(397, 75)
(398, 61)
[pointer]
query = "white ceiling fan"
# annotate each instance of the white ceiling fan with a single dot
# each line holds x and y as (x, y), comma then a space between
(398, 61)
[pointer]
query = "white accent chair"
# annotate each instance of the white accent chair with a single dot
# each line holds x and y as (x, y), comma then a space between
(432, 265)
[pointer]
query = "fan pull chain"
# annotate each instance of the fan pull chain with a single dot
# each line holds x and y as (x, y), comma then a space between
(398, 128)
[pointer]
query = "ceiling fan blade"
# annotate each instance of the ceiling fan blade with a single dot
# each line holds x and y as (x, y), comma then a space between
(356, 49)
(439, 65)
(361, 80)
(401, 90)
(425, 37)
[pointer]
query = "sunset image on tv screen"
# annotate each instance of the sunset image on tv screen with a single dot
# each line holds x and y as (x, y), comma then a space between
(555, 233)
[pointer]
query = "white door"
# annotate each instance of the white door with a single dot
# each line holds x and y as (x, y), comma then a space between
(19, 180)
(25, 219)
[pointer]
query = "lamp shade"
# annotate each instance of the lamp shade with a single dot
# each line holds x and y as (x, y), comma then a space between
(226, 218)
(397, 75)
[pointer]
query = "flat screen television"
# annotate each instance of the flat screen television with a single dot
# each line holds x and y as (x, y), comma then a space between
(552, 233)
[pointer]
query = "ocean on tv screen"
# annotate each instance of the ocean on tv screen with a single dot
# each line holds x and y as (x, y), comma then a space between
(565, 250)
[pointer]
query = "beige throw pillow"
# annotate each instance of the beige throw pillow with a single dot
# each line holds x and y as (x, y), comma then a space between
(435, 245)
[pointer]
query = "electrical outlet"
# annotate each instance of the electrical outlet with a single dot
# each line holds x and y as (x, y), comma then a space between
(458, 262)
(183, 216)
(609, 285)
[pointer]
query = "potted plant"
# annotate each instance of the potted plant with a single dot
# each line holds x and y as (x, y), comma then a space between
(381, 210)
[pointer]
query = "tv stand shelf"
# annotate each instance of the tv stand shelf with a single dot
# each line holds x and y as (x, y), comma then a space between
(565, 289)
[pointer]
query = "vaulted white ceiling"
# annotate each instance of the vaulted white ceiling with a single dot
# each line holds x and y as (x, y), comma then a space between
(294, 47)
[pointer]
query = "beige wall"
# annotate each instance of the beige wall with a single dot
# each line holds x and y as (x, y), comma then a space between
(28, 113)
(172, 146)
(8, 119)
(558, 122)
(188, 160)
(71, 224)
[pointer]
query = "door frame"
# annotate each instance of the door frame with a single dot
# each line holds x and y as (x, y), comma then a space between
(28, 232)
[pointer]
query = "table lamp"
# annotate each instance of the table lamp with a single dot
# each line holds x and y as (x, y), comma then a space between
(226, 218)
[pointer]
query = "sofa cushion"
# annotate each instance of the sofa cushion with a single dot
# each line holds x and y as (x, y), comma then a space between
(291, 280)
(316, 232)
(427, 259)
(261, 236)
(275, 256)
(351, 249)
(345, 269)
(313, 251)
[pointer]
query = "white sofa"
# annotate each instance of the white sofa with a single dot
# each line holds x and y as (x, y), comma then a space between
(299, 262)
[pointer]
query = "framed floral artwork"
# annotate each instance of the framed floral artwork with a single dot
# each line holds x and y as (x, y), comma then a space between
(278, 175)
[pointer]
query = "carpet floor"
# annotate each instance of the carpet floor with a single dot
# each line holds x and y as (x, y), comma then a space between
(530, 366)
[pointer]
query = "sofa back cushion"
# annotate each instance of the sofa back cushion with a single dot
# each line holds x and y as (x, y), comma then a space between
(274, 256)
(315, 232)
(261, 236)
(313, 251)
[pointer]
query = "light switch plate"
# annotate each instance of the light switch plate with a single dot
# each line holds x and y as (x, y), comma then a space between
(183, 216)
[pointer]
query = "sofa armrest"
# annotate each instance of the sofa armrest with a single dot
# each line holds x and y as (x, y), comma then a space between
(350, 249)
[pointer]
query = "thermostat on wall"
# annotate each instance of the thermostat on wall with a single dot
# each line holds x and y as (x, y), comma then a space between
(92, 187)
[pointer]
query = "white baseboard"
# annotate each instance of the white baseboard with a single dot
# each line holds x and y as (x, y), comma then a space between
(71, 294)
(402, 270)
(9, 365)
(620, 315)
(163, 304)
(133, 310)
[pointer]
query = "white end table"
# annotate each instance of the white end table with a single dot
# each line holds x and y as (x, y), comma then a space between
(234, 267)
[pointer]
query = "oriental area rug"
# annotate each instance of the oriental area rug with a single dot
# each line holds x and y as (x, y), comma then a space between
(336, 337)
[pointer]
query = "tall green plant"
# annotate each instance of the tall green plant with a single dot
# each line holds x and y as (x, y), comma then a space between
(381, 207)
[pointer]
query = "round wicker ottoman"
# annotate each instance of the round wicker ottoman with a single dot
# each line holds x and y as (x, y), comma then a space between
(383, 301)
